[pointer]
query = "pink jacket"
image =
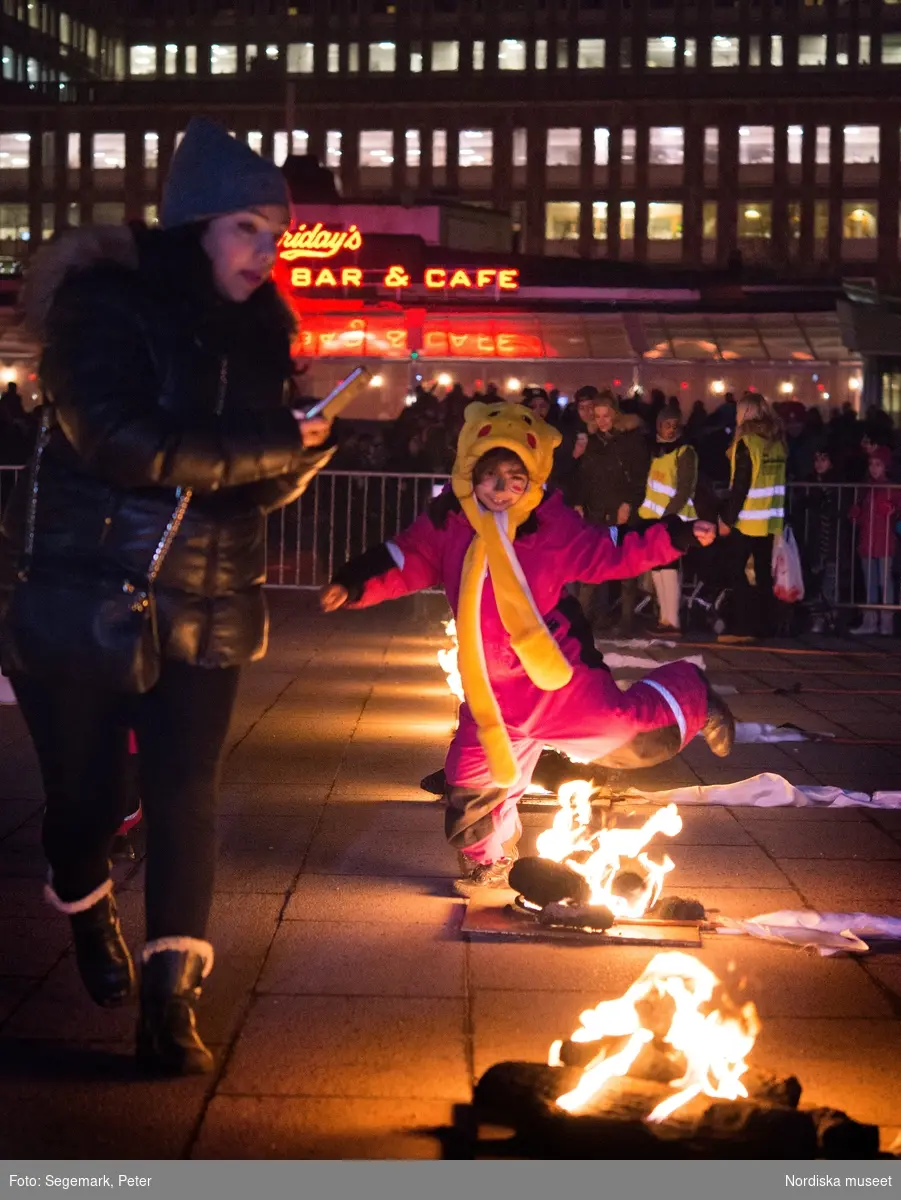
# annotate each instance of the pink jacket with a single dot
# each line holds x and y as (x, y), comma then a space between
(874, 515)
(564, 549)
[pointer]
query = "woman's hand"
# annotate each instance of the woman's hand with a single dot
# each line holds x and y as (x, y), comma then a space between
(705, 532)
(724, 529)
(314, 432)
(333, 597)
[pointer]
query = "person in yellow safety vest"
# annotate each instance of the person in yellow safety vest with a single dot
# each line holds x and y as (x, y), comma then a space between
(671, 485)
(753, 513)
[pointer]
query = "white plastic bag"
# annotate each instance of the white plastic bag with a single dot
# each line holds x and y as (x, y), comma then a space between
(788, 578)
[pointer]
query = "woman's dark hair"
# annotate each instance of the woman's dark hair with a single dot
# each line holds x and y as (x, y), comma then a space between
(492, 459)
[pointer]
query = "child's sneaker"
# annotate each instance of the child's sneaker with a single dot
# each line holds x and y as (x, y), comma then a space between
(474, 876)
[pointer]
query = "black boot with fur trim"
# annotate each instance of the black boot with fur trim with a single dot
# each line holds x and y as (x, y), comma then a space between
(171, 976)
(104, 962)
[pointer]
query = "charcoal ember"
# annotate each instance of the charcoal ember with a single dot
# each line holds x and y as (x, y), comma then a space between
(577, 916)
(678, 908)
(839, 1136)
(656, 1011)
(767, 1088)
(554, 769)
(758, 1130)
(521, 1092)
(580, 1054)
(631, 880)
(544, 882)
(657, 1063)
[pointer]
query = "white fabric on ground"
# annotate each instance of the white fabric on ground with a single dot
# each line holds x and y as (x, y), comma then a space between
(827, 933)
(769, 791)
(634, 661)
(748, 732)
(634, 643)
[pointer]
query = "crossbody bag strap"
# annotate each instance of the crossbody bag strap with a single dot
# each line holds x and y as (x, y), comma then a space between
(31, 517)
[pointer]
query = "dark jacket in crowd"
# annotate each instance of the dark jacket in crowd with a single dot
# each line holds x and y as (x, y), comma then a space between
(157, 384)
(613, 471)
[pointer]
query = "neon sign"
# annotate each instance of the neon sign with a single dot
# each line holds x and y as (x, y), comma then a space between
(318, 242)
(396, 277)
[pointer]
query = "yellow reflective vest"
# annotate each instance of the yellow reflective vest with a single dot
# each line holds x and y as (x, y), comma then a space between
(764, 507)
(662, 486)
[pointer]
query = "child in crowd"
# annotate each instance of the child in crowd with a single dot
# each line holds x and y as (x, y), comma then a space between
(875, 515)
(504, 548)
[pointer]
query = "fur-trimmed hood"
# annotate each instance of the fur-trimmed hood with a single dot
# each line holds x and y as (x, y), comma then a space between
(75, 250)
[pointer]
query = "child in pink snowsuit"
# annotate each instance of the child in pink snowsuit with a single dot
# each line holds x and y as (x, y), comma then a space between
(579, 710)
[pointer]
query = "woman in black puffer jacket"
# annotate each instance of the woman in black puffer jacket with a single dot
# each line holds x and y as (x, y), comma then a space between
(166, 360)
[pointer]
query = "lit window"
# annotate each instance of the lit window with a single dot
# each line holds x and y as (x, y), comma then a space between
(333, 58)
(272, 53)
(861, 143)
(73, 151)
(190, 60)
(711, 146)
(250, 56)
(863, 49)
(14, 223)
(661, 52)
(382, 56)
(564, 147)
(511, 54)
(795, 144)
(300, 141)
(664, 221)
(776, 50)
(755, 145)
(755, 220)
(891, 49)
(445, 56)
(590, 54)
(599, 220)
(476, 148)
(14, 151)
(841, 49)
(439, 147)
(562, 54)
(412, 149)
(520, 148)
(690, 53)
(416, 58)
(73, 215)
(754, 50)
(333, 149)
(279, 146)
(561, 221)
(625, 53)
(255, 141)
(812, 50)
(108, 152)
(171, 60)
(151, 214)
(151, 150)
(223, 60)
(142, 60)
(724, 51)
(376, 148)
(708, 220)
(541, 54)
(353, 57)
(627, 220)
(793, 212)
(823, 141)
(666, 145)
(300, 58)
(478, 55)
(601, 146)
(859, 219)
(820, 220)
(627, 150)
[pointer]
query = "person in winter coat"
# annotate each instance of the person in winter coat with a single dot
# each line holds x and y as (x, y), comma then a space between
(166, 359)
(822, 542)
(753, 513)
(610, 486)
(875, 515)
(671, 485)
(503, 548)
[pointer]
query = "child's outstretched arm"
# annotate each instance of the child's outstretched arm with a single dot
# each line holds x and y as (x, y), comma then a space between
(598, 554)
(398, 567)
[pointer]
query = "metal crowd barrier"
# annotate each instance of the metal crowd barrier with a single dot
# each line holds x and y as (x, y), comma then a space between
(344, 512)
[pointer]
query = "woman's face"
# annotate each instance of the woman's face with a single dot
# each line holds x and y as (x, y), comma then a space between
(241, 247)
(501, 487)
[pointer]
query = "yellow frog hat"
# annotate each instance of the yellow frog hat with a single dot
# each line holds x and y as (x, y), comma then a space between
(511, 427)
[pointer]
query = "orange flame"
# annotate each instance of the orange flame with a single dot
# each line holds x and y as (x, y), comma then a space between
(571, 835)
(713, 1041)
(447, 660)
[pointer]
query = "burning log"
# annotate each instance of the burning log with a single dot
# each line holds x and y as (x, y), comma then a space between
(677, 908)
(542, 881)
(576, 916)
(839, 1136)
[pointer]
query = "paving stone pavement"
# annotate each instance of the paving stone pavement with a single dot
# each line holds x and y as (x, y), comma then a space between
(348, 1012)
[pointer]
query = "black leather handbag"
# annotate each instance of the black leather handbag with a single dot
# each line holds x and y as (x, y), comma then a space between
(102, 632)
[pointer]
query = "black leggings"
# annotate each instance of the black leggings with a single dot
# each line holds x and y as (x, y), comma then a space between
(81, 738)
(752, 609)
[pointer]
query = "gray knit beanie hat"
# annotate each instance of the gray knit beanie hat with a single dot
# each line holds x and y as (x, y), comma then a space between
(212, 174)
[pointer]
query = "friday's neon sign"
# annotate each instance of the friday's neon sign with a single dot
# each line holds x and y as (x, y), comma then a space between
(318, 242)
(435, 279)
